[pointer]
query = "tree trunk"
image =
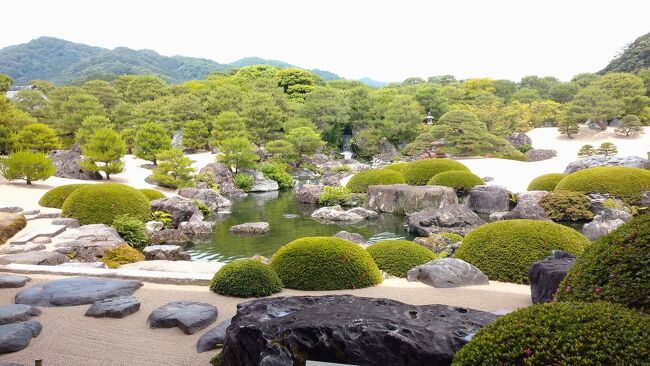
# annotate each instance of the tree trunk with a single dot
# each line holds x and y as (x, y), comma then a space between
(29, 181)
(108, 177)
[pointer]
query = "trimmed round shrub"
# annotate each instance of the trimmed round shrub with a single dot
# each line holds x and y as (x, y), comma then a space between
(102, 203)
(452, 236)
(360, 182)
(420, 172)
(546, 182)
(461, 181)
(567, 206)
(324, 263)
(561, 334)
(57, 195)
(123, 254)
(397, 257)
(622, 182)
(246, 278)
(396, 166)
(614, 268)
(152, 194)
(504, 250)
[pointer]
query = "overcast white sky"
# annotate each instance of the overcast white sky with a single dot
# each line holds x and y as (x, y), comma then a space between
(384, 40)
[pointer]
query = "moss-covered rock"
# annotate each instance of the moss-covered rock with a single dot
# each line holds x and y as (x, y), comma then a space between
(420, 172)
(360, 182)
(123, 254)
(246, 278)
(56, 196)
(396, 166)
(567, 206)
(102, 203)
(546, 182)
(622, 182)
(10, 224)
(397, 257)
(461, 181)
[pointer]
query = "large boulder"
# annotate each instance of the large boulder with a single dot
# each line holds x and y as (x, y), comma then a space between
(251, 228)
(181, 209)
(196, 228)
(170, 237)
(13, 281)
(528, 207)
(75, 291)
(308, 193)
(10, 224)
(37, 258)
(448, 272)
(115, 307)
(88, 243)
(405, 199)
(189, 316)
(14, 313)
(438, 244)
(16, 337)
(208, 197)
(546, 275)
(454, 219)
(353, 237)
(213, 338)
(333, 179)
(347, 329)
(519, 139)
(605, 222)
(337, 213)
(540, 154)
(67, 165)
(261, 183)
(488, 199)
(387, 151)
(166, 252)
(600, 160)
(222, 176)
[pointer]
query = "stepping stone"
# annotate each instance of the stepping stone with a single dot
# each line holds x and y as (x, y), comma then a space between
(15, 337)
(12, 209)
(75, 291)
(38, 258)
(14, 313)
(45, 215)
(12, 249)
(13, 281)
(42, 240)
(70, 222)
(10, 364)
(48, 231)
(189, 316)
(213, 338)
(116, 307)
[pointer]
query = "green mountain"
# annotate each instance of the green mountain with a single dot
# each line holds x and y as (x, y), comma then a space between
(635, 56)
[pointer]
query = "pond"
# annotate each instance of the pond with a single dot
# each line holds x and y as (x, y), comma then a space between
(289, 220)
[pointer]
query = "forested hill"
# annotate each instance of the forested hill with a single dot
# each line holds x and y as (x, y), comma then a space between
(64, 62)
(635, 57)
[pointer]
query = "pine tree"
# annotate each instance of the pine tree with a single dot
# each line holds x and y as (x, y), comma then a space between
(586, 150)
(103, 151)
(36, 137)
(630, 125)
(174, 169)
(607, 148)
(195, 135)
(150, 140)
(238, 153)
(27, 165)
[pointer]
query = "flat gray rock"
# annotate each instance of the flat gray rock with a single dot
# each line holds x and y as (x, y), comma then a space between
(75, 291)
(38, 258)
(189, 316)
(13, 281)
(116, 307)
(448, 272)
(14, 313)
(15, 337)
(251, 228)
(213, 338)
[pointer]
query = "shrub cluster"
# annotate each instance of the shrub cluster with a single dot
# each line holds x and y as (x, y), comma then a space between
(623, 182)
(278, 172)
(396, 166)
(246, 278)
(132, 230)
(164, 217)
(102, 203)
(123, 254)
(333, 196)
(567, 206)
(244, 181)
(57, 195)
(152, 194)
(397, 257)
(546, 182)
(360, 182)
(461, 181)
(504, 250)
(324, 263)
(418, 173)
(452, 236)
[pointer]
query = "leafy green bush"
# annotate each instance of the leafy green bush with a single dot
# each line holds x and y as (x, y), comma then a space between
(525, 147)
(102, 203)
(614, 268)
(341, 168)
(27, 165)
(396, 166)
(57, 195)
(397, 257)
(152, 194)
(504, 250)
(246, 278)
(622, 182)
(278, 172)
(244, 181)
(324, 263)
(164, 217)
(452, 236)
(418, 173)
(461, 181)
(546, 182)
(561, 334)
(123, 254)
(567, 206)
(205, 210)
(131, 230)
(360, 182)
(333, 196)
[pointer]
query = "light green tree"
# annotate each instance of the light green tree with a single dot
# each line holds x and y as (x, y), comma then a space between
(227, 125)
(74, 109)
(89, 125)
(151, 139)
(36, 137)
(593, 103)
(607, 149)
(195, 135)
(103, 151)
(630, 125)
(586, 150)
(282, 151)
(237, 153)
(174, 169)
(27, 165)
(305, 142)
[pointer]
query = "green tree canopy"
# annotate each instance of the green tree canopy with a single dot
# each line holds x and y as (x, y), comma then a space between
(151, 139)
(102, 152)
(36, 137)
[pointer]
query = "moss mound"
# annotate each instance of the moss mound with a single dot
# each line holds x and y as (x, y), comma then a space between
(324, 263)
(152, 194)
(246, 278)
(420, 172)
(452, 236)
(546, 182)
(396, 166)
(567, 206)
(504, 250)
(562, 334)
(102, 203)
(614, 268)
(123, 254)
(56, 196)
(461, 181)
(622, 182)
(360, 182)
(397, 257)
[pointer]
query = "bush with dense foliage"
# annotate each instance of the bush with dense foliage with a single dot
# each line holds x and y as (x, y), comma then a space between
(123, 254)
(164, 217)
(622, 182)
(244, 181)
(567, 206)
(420, 172)
(360, 182)
(132, 230)
(504, 250)
(246, 278)
(278, 172)
(174, 169)
(452, 236)
(333, 196)
(56, 196)
(396, 166)
(27, 165)
(546, 182)
(324, 263)
(561, 334)
(102, 203)
(461, 181)
(152, 194)
(615, 268)
(397, 257)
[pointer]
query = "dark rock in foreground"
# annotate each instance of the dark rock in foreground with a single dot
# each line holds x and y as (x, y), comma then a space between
(14, 313)
(213, 338)
(347, 329)
(15, 337)
(75, 291)
(546, 275)
(13, 281)
(116, 307)
(190, 316)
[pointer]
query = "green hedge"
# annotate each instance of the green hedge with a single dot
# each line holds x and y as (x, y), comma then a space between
(396, 166)
(418, 173)
(562, 334)
(504, 250)
(622, 182)
(397, 257)
(461, 181)
(246, 278)
(102, 203)
(123, 254)
(360, 182)
(324, 263)
(614, 268)
(546, 182)
(567, 206)
(152, 194)
(57, 195)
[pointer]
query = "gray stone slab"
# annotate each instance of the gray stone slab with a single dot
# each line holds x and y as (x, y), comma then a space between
(13, 281)
(48, 231)
(15, 337)
(213, 338)
(189, 316)
(14, 313)
(116, 307)
(39, 258)
(75, 291)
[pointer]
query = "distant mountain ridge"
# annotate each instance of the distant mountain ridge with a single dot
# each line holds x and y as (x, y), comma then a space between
(635, 56)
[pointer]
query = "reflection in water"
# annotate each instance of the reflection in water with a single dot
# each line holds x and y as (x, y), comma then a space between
(289, 220)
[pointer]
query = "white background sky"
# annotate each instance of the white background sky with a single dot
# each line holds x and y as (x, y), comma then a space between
(385, 40)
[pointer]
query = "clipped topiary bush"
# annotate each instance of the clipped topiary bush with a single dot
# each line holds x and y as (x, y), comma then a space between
(561, 334)
(57, 195)
(452, 236)
(461, 181)
(546, 182)
(360, 182)
(567, 206)
(396, 166)
(614, 268)
(418, 173)
(622, 182)
(152, 194)
(246, 278)
(397, 257)
(504, 250)
(102, 203)
(324, 263)
(123, 254)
